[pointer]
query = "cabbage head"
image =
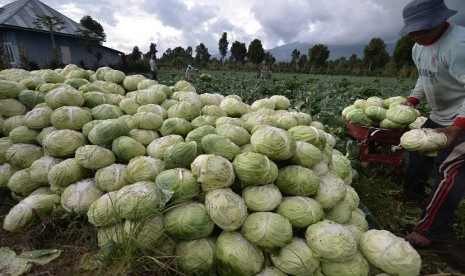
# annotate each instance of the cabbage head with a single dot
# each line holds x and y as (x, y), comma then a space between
(254, 169)
(112, 177)
(238, 256)
(263, 198)
(64, 95)
(38, 171)
(198, 133)
(331, 241)
(30, 210)
(213, 171)
(226, 208)
(297, 180)
(309, 134)
(70, 117)
(401, 114)
(78, 197)
(23, 134)
(143, 168)
(102, 212)
(267, 229)
(219, 145)
(23, 155)
(188, 221)
(125, 148)
(137, 201)
(306, 155)
(178, 126)
(273, 142)
(300, 211)
(392, 254)
(423, 140)
(330, 191)
(94, 157)
(176, 185)
(65, 173)
(157, 147)
(106, 131)
(38, 118)
(145, 233)
(357, 265)
(181, 155)
(196, 257)
(236, 134)
(296, 258)
(63, 142)
(130, 82)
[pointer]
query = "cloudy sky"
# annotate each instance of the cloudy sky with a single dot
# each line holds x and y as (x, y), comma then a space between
(172, 23)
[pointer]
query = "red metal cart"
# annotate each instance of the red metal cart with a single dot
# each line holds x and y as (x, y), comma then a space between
(371, 139)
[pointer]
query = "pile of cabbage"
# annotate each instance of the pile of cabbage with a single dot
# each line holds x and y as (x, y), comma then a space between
(390, 113)
(227, 187)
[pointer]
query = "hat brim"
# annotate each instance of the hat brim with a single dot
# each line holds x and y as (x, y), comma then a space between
(426, 24)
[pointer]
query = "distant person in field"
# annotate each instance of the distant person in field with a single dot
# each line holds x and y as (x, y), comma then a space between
(439, 55)
(153, 68)
(191, 73)
(265, 72)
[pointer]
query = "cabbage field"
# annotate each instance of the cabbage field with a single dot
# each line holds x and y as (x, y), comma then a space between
(226, 175)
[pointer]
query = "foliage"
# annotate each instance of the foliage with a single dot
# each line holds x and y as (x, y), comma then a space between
(238, 51)
(52, 24)
(223, 45)
(201, 55)
(402, 52)
(318, 55)
(255, 53)
(95, 27)
(375, 53)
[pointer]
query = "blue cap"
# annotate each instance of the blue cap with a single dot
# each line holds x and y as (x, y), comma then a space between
(424, 15)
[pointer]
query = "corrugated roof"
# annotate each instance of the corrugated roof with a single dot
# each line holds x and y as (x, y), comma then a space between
(23, 13)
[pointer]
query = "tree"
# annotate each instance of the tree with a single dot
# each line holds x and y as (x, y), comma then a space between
(317, 55)
(94, 27)
(152, 51)
(301, 61)
(223, 45)
(255, 53)
(201, 54)
(402, 54)
(136, 54)
(295, 55)
(238, 51)
(375, 53)
(269, 58)
(52, 24)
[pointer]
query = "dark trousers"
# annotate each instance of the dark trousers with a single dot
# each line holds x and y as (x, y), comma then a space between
(448, 190)
(154, 75)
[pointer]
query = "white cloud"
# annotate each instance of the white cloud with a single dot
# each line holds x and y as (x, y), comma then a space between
(184, 23)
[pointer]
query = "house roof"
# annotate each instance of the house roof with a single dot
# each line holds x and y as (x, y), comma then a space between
(23, 13)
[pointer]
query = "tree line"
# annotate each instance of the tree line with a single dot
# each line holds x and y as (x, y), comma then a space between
(375, 61)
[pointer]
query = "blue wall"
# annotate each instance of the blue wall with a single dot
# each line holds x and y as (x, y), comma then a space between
(38, 48)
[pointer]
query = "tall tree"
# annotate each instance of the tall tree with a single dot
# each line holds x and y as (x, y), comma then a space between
(223, 45)
(301, 61)
(52, 24)
(238, 51)
(152, 51)
(295, 56)
(375, 54)
(317, 55)
(94, 26)
(402, 54)
(136, 54)
(269, 58)
(201, 55)
(255, 53)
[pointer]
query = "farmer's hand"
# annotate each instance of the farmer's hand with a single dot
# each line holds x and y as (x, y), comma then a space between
(452, 132)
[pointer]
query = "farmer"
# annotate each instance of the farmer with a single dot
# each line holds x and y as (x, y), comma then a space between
(439, 55)
(153, 68)
(190, 73)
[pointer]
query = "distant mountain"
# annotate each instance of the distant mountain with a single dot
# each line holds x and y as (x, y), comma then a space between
(283, 53)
